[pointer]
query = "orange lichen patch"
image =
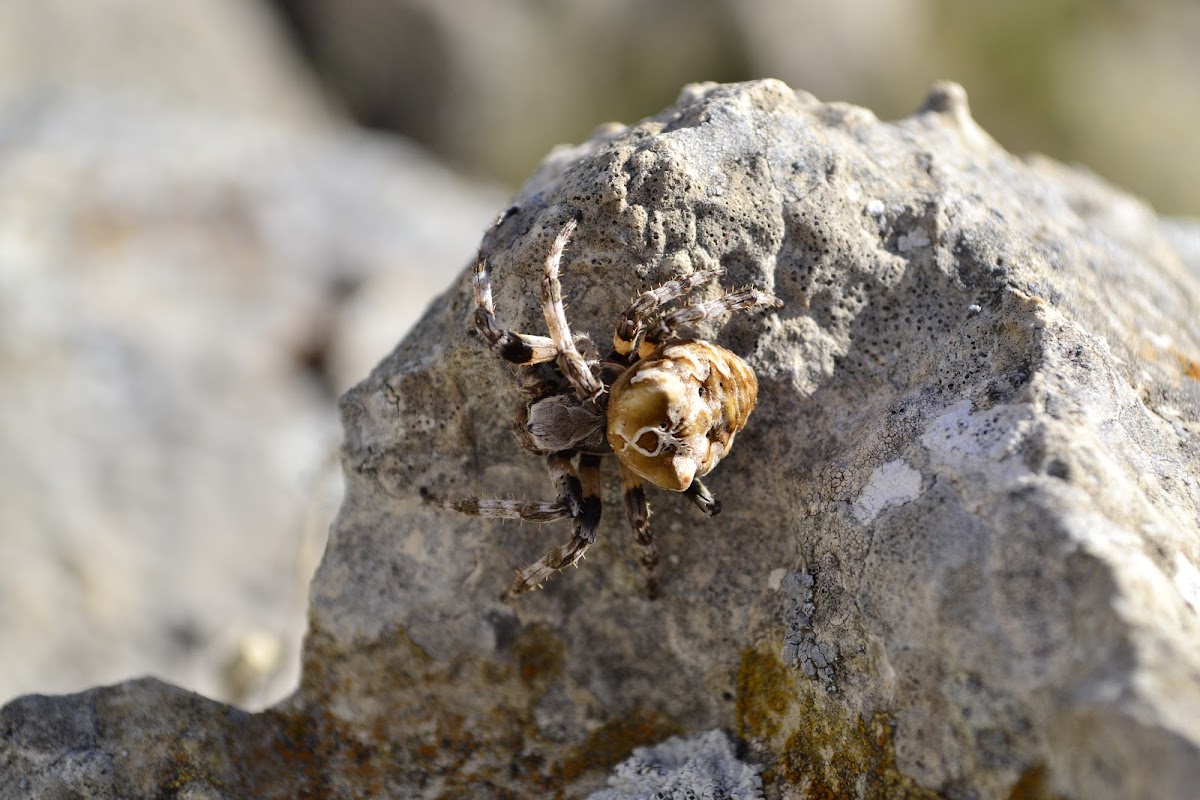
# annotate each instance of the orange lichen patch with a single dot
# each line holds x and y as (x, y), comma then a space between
(842, 758)
(183, 769)
(1190, 366)
(613, 741)
(539, 654)
(806, 740)
(766, 689)
(1033, 785)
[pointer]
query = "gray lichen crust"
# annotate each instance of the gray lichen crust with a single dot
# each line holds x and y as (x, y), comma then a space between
(701, 768)
(977, 440)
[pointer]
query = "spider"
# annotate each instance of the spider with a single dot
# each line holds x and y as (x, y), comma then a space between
(667, 407)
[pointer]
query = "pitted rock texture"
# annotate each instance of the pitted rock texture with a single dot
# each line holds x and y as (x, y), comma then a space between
(959, 549)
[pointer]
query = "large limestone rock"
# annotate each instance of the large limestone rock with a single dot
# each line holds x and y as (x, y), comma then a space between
(959, 549)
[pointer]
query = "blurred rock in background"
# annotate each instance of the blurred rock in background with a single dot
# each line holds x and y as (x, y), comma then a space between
(493, 84)
(221, 55)
(196, 257)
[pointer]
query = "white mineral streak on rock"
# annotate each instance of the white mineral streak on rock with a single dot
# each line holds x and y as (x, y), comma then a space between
(890, 484)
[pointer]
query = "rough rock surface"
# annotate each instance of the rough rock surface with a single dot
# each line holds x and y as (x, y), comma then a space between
(959, 549)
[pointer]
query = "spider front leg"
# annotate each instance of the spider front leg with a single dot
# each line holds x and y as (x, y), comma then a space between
(586, 525)
(738, 300)
(638, 512)
(519, 348)
(630, 327)
(572, 363)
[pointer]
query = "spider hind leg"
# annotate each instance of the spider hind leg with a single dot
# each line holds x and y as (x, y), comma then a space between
(497, 508)
(638, 512)
(587, 523)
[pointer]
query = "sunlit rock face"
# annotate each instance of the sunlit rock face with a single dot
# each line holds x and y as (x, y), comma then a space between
(958, 552)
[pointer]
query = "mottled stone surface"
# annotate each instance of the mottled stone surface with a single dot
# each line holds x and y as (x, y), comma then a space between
(959, 549)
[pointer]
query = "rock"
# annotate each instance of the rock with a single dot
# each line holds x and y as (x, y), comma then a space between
(1184, 236)
(223, 55)
(170, 743)
(959, 546)
(701, 768)
(184, 294)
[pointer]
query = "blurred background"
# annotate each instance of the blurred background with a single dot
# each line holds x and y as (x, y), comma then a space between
(217, 215)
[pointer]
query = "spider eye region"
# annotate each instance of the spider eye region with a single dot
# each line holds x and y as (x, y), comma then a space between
(673, 415)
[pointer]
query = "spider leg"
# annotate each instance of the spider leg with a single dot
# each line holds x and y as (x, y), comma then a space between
(737, 300)
(699, 494)
(519, 348)
(568, 504)
(638, 513)
(586, 525)
(495, 508)
(570, 360)
(630, 328)
(570, 490)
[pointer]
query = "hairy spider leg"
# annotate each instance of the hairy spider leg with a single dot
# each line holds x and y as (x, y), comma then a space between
(630, 327)
(737, 300)
(699, 494)
(519, 348)
(572, 363)
(586, 526)
(495, 508)
(568, 504)
(638, 512)
(570, 490)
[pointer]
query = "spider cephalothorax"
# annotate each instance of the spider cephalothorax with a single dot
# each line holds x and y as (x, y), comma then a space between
(667, 407)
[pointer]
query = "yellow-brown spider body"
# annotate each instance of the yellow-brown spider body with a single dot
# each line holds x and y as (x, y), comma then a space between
(674, 414)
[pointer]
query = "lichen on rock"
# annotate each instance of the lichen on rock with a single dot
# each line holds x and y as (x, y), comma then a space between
(977, 436)
(701, 768)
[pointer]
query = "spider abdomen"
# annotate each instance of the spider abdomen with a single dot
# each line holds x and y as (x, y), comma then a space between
(673, 415)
